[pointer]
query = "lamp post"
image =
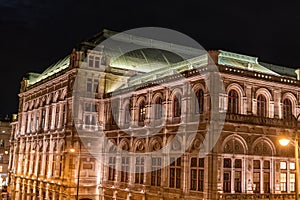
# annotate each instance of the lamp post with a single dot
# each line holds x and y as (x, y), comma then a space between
(72, 150)
(285, 142)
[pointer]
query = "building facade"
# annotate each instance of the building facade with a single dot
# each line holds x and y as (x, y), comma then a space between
(4, 149)
(77, 117)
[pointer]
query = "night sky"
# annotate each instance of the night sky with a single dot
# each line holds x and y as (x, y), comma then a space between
(36, 33)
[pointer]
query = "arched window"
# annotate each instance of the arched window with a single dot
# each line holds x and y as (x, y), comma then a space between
(158, 108)
(287, 109)
(261, 106)
(233, 102)
(199, 101)
(142, 111)
(177, 106)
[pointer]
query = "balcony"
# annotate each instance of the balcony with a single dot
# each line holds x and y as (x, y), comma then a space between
(256, 196)
(263, 121)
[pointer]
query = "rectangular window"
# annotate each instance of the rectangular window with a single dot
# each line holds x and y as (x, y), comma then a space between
(97, 62)
(112, 168)
(292, 182)
(197, 174)
(175, 173)
(156, 172)
(266, 176)
(292, 166)
(43, 118)
(37, 121)
(95, 85)
(256, 176)
(124, 169)
(91, 61)
(56, 115)
(283, 165)
(139, 170)
(227, 182)
(283, 182)
(89, 85)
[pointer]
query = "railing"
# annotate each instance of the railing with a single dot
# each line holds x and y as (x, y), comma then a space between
(257, 120)
(257, 196)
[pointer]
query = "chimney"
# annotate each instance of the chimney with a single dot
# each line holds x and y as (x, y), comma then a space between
(297, 71)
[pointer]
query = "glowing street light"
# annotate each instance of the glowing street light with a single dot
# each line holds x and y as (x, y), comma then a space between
(285, 142)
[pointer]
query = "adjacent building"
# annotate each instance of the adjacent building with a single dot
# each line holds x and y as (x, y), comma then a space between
(76, 118)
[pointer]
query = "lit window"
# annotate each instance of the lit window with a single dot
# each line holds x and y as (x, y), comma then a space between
(142, 111)
(3, 132)
(283, 182)
(282, 165)
(292, 182)
(292, 165)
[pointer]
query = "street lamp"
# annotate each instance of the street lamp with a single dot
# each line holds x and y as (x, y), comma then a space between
(72, 150)
(285, 142)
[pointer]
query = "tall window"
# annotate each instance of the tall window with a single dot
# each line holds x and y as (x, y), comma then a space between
(261, 106)
(283, 176)
(177, 106)
(238, 175)
(233, 102)
(156, 172)
(89, 85)
(50, 117)
(142, 111)
(227, 175)
(127, 114)
(91, 61)
(158, 108)
(175, 173)
(256, 176)
(43, 117)
(139, 170)
(124, 169)
(37, 121)
(287, 109)
(111, 168)
(199, 102)
(57, 115)
(197, 174)
(97, 62)
(95, 85)
(292, 176)
(266, 177)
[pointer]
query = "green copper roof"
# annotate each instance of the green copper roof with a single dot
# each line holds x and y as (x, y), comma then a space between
(53, 69)
(243, 61)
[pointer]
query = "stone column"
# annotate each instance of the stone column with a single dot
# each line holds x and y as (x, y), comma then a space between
(249, 98)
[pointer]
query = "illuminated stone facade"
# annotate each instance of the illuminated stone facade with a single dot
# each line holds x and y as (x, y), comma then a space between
(258, 103)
